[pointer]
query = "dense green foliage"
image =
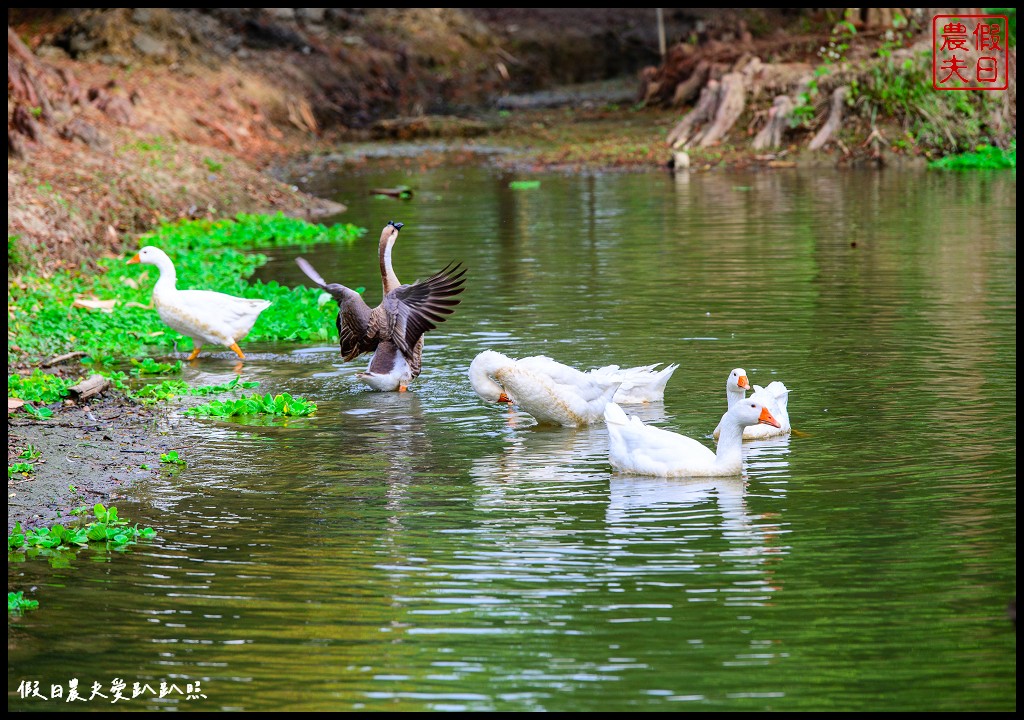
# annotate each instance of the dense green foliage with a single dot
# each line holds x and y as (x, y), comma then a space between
(38, 387)
(985, 157)
(207, 255)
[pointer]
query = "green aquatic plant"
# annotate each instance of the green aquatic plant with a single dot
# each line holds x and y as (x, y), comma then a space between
(46, 315)
(276, 405)
(22, 468)
(171, 457)
(984, 157)
(31, 452)
(524, 184)
(149, 366)
(17, 603)
(57, 542)
(39, 387)
(236, 382)
(158, 392)
(38, 413)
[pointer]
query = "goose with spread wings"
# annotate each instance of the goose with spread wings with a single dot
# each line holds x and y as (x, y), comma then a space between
(393, 331)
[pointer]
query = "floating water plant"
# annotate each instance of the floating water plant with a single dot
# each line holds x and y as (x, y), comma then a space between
(171, 457)
(17, 603)
(277, 405)
(107, 528)
(524, 184)
(236, 382)
(149, 366)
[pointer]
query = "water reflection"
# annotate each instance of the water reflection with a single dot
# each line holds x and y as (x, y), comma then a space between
(426, 551)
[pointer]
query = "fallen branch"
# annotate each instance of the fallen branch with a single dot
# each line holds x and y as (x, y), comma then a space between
(93, 385)
(57, 360)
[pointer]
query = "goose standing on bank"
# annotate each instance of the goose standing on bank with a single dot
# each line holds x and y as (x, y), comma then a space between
(646, 450)
(393, 331)
(550, 391)
(775, 397)
(205, 316)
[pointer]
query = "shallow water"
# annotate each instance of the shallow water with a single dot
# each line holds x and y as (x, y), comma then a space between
(425, 551)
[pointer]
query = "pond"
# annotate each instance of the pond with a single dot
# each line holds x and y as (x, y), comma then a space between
(426, 551)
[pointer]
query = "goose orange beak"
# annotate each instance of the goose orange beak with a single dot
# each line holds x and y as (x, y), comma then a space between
(503, 398)
(767, 419)
(134, 260)
(743, 382)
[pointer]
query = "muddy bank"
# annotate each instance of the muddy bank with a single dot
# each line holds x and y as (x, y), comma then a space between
(96, 452)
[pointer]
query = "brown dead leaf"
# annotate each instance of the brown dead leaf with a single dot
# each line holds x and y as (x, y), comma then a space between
(106, 306)
(13, 404)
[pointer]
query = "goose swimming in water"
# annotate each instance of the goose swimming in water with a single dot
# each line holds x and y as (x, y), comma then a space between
(646, 450)
(393, 331)
(775, 397)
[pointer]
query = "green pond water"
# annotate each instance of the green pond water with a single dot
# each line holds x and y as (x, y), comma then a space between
(426, 551)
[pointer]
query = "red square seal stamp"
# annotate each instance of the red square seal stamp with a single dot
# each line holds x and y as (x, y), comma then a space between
(970, 52)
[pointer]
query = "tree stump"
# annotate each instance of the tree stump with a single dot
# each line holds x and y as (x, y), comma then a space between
(778, 122)
(835, 119)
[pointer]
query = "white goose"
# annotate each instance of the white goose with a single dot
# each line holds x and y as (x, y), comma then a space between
(550, 391)
(203, 315)
(775, 397)
(644, 384)
(645, 450)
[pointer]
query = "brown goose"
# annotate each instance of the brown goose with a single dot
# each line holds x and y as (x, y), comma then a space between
(393, 331)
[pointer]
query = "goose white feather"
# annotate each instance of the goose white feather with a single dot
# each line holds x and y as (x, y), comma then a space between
(645, 450)
(775, 397)
(644, 384)
(550, 391)
(203, 315)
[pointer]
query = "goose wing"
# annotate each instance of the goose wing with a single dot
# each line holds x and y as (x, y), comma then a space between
(354, 322)
(412, 310)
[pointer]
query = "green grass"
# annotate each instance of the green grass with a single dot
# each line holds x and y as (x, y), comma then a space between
(940, 123)
(207, 255)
